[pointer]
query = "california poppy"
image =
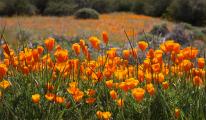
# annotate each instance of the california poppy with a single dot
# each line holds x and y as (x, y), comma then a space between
(150, 89)
(126, 54)
(76, 48)
(50, 96)
(90, 100)
(201, 63)
(95, 42)
(120, 102)
(36, 98)
(138, 94)
(109, 83)
(49, 43)
(165, 85)
(4, 84)
(197, 81)
(59, 99)
(143, 45)
(113, 94)
(105, 37)
(177, 112)
(3, 70)
(61, 55)
(106, 115)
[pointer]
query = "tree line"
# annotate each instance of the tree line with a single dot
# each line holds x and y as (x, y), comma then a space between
(191, 11)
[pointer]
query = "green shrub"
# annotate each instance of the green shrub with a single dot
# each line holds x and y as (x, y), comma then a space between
(9, 7)
(18, 7)
(103, 6)
(86, 13)
(23, 7)
(160, 30)
(59, 8)
(191, 11)
(138, 7)
(157, 7)
(204, 30)
(40, 5)
(124, 5)
(2, 6)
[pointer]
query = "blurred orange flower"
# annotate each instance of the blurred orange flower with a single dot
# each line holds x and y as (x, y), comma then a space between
(5, 84)
(36, 98)
(143, 45)
(49, 42)
(138, 94)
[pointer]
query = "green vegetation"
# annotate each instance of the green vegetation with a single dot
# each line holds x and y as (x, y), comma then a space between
(86, 13)
(190, 11)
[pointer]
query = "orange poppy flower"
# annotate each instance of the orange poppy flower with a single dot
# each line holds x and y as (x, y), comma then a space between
(78, 96)
(95, 42)
(165, 85)
(143, 45)
(176, 48)
(161, 77)
(111, 53)
(109, 83)
(126, 54)
(131, 83)
(25, 70)
(36, 98)
(40, 49)
(197, 81)
(138, 94)
(3, 70)
(187, 64)
(146, 63)
(90, 100)
(99, 114)
(156, 68)
(177, 112)
(201, 63)
(106, 115)
(124, 86)
(120, 102)
(169, 45)
(150, 89)
(76, 48)
(148, 77)
(50, 96)
(59, 99)
(105, 37)
(35, 54)
(107, 74)
(140, 75)
(91, 92)
(150, 54)
(82, 43)
(61, 55)
(113, 94)
(5, 84)
(49, 43)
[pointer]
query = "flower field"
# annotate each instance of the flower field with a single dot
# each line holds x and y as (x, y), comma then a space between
(86, 81)
(42, 26)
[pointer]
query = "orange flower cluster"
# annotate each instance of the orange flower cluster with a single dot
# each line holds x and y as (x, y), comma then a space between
(76, 92)
(117, 75)
(103, 115)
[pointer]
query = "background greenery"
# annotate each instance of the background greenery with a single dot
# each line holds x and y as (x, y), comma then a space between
(191, 11)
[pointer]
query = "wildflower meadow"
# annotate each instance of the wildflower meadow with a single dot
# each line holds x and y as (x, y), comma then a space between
(91, 80)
